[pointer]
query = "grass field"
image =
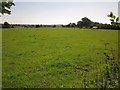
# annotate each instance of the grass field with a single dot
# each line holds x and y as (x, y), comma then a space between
(54, 57)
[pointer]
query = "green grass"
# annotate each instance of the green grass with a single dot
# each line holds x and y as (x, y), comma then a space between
(53, 57)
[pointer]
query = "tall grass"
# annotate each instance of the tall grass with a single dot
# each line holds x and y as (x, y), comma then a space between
(108, 75)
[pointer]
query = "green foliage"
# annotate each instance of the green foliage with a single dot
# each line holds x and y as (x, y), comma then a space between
(6, 25)
(114, 20)
(86, 22)
(108, 75)
(5, 7)
(55, 57)
(110, 15)
(117, 19)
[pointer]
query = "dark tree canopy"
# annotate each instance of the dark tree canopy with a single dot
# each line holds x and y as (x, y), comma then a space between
(85, 22)
(6, 25)
(85, 19)
(5, 7)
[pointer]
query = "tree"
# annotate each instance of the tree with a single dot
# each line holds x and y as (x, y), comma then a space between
(85, 23)
(79, 24)
(6, 25)
(37, 26)
(114, 20)
(5, 7)
(71, 25)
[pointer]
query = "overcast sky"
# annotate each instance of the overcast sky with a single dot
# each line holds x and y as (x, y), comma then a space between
(59, 12)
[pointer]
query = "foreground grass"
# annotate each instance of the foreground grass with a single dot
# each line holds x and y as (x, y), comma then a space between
(53, 57)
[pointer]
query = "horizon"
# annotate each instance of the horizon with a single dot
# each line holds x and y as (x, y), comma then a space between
(51, 13)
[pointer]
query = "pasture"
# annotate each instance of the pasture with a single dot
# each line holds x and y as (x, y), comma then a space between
(56, 57)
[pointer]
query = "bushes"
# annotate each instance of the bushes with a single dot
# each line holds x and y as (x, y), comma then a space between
(107, 75)
(6, 25)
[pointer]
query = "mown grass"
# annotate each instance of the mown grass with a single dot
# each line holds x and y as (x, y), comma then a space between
(54, 57)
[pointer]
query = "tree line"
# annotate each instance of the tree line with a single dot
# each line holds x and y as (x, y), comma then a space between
(84, 23)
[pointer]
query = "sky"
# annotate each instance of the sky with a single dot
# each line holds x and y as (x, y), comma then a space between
(39, 12)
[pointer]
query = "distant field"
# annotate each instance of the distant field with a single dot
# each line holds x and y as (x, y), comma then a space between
(54, 57)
